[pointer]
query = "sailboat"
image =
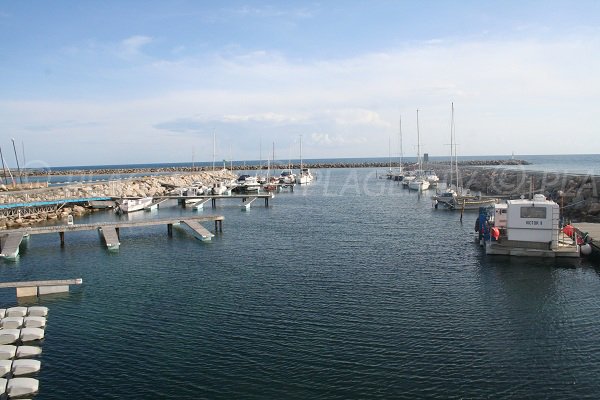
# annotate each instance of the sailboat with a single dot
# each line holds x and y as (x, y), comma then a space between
(420, 182)
(398, 174)
(457, 198)
(305, 175)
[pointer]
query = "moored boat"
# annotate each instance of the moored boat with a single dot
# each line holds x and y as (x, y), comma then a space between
(524, 227)
(130, 205)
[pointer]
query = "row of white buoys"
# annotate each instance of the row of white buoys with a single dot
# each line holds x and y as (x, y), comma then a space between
(34, 311)
(22, 322)
(19, 367)
(9, 351)
(20, 325)
(19, 387)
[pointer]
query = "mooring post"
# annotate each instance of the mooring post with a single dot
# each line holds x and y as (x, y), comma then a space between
(214, 203)
(62, 238)
(170, 230)
(118, 235)
(266, 202)
(220, 225)
(216, 226)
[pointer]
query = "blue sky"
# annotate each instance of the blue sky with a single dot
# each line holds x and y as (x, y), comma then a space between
(113, 82)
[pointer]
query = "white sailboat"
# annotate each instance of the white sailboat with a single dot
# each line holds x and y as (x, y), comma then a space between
(420, 182)
(305, 175)
(455, 197)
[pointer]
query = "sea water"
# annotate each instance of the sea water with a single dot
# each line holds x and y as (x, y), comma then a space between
(351, 287)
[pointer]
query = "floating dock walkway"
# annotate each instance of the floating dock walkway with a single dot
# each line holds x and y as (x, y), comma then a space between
(11, 239)
(199, 201)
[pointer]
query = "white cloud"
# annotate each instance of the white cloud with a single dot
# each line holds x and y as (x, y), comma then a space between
(521, 95)
(132, 46)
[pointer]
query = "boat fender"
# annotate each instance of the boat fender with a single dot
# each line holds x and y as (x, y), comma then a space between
(585, 250)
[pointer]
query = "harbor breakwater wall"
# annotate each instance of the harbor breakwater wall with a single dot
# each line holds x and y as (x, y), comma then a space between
(577, 194)
(134, 187)
(244, 167)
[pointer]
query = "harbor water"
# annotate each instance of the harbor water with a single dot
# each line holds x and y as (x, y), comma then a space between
(351, 287)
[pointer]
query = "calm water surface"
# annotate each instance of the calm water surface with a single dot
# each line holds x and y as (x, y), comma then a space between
(350, 288)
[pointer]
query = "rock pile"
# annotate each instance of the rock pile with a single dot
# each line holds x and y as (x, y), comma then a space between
(137, 187)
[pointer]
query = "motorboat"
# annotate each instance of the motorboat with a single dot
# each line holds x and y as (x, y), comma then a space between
(524, 227)
(287, 177)
(130, 205)
(248, 183)
(304, 177)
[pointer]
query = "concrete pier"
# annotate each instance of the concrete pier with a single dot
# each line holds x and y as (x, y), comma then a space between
(39, 288)
(11, 239)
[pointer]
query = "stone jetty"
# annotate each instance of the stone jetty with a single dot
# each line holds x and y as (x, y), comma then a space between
(135, 187)
(577, 194)
(244, 167)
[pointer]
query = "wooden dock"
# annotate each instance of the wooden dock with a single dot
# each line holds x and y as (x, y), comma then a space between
(11, 239)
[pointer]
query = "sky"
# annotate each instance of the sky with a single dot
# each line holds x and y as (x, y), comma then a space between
(123, 82)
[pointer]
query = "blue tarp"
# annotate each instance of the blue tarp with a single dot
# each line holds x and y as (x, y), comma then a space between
(49, 203)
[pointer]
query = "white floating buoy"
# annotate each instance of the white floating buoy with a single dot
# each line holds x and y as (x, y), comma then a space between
(7, 351)
(30, 334)
(37, 311)
(16, 312)
(19, 387)
(5, 367)
(9, 336)
(11, 322)
(34, 322)
(585, 249)
(25, 367)
(28, 351)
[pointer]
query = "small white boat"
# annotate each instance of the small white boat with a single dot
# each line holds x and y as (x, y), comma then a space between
(305, 177)
(420, 184)
(130, 205)
(248, 183)
(287, 177)
(219, 189)
(431, 177)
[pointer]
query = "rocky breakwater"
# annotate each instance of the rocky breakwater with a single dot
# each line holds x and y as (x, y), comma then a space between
(578, 195)
(23, 215)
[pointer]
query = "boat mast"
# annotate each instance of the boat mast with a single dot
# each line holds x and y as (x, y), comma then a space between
(4, 167)
(452, 147)
(418, 144)
(214, 149)
(455, 151)
(17, 158)
(401, 151)
(300, 153)
(390, 151)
